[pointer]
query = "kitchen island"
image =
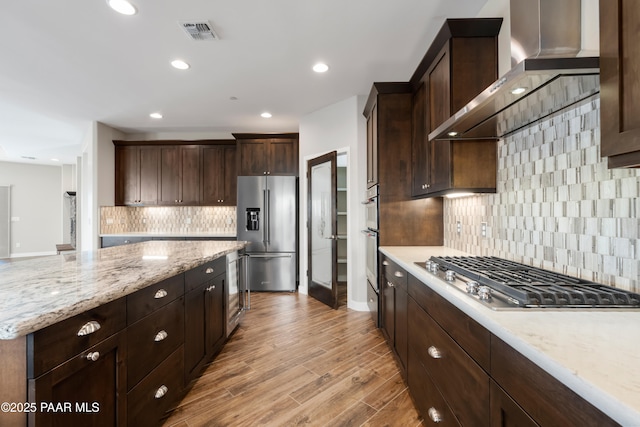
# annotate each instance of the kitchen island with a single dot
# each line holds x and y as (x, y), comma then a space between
(593, 352)
(79, 321)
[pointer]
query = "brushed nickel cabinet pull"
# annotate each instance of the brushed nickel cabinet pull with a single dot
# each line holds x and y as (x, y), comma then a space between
(160, 293)
(93, 356)
(434, 352)
(160, 392)
(385, 262)
(88, 328)
(160, 336)
(398, 274)
(210, 288)
(209, 270)
(435, 415)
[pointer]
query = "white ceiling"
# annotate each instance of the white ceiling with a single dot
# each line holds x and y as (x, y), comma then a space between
(67, 63)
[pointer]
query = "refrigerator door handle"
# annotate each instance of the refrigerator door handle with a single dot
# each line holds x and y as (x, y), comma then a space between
(267, 227)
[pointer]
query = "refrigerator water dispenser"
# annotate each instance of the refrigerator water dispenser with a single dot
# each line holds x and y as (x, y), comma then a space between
(253, 219)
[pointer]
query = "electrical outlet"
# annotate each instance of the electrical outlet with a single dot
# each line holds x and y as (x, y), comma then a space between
(109, 220)
(458, 227)
(483, 229)
(229, 220)
(17, 245)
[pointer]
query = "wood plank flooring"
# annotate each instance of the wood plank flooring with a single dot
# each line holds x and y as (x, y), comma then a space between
(293, 361)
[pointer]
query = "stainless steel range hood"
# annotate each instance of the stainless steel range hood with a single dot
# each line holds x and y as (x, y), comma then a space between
(547, 74)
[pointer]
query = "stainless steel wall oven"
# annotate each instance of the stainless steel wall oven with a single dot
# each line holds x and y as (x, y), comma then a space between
(371, 236)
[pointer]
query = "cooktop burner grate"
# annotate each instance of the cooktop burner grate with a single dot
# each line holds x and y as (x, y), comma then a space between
(536, 287)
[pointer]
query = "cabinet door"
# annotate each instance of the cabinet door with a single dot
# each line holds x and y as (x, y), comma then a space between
(439, 111)
(229, 195)
(213, 168)
(387, 317)
(127, 175)
(372, 147)
(252, 157)
(169, 175)
(282, 157)
(620, 91)
(401, 324)
(419, 144)
(95, 389)
(149, 175)
(204, 325)
(505, 412)
(190, 175)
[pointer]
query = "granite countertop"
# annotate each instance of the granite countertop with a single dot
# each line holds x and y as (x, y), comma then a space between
(593, 352)
(173, 234)
(40, 292)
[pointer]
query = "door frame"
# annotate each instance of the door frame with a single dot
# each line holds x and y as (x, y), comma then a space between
(319, 292)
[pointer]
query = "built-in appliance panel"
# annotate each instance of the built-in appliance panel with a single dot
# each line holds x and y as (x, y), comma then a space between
(545, 399)
(461, 381)
(468, 333)
(147, 300)
(154, 338)
(59, 342)
(196, 276)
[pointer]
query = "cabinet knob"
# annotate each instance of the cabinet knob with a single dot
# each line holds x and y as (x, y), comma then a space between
(93, 356)
(210, 288)
(434, 352)
(161, 336)
(389, 284)
(209, 270)
(127, 241)
(398, 274)
(88, 328)
(435, 415)
(385, 262)
(160, 293)
(160, 392)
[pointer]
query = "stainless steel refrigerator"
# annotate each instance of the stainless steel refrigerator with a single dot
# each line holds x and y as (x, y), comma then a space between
(267, 217)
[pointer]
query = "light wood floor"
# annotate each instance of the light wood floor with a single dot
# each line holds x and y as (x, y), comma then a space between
(294, 361)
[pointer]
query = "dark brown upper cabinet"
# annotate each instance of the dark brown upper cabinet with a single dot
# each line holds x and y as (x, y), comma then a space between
(619, 83)
(137, 169)
(179, 175)
(267, 154)
(461, 62)
(219, 178)
(175, 173)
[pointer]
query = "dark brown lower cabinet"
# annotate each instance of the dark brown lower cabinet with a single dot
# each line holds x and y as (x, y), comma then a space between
(204, 325)
(84, 391)
(149, 401)
(505, 412)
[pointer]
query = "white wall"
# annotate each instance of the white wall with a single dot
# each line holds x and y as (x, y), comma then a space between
(97, 187)
(340, 127)
(36, 199)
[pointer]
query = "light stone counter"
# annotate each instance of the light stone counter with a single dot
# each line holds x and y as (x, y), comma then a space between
(231, 235)
(595, 353)
(40, 292)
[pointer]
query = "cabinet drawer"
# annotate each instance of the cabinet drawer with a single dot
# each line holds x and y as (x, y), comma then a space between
(469, 334)
(393, 273)
(61, 341)
(426, 397)
(372, 302)
(152, 339)
(109, 241)
(149, 401)
(147, 300)
(544, 398)
(464, 385)
(195, 277)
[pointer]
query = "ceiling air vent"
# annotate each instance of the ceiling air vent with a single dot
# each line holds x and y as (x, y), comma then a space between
(199, 30)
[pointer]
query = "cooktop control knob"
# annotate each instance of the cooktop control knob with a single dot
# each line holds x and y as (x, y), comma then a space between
(472, 287)
(484, 293)
(434, 267)
(450, 276)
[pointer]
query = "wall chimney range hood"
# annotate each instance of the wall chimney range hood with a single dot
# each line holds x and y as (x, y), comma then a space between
(546, 74)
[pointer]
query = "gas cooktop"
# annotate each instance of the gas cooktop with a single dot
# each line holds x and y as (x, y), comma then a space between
(501, 284)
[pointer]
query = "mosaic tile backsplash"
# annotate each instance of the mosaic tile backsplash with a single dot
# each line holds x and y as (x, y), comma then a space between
(557, 205)
(168, 219)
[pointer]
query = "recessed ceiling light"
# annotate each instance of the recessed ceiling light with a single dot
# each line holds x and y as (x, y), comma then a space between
(233, 98)
(55, 160)
(122, 6)
(320, 67)
(179, 64)
(518, 90)
(155, 115)
(266, 115)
